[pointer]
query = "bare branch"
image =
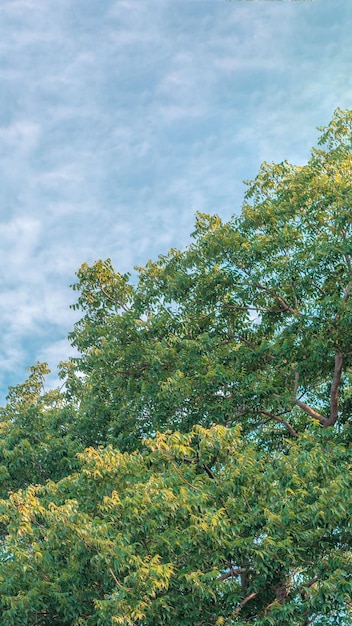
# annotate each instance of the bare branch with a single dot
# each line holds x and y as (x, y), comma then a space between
(117, 581)
(334, 393)
(247, 599)
(280, 420)
(121, 304)
(283, 302)
(237, 571)
(208, 471)
(307, 409)
(322, 291)
(347, 293)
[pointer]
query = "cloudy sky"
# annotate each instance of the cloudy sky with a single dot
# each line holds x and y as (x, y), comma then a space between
(119, 119)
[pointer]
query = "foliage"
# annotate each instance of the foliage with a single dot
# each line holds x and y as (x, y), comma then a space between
(194, 469)
(250, 324)
(203, 529)
(36, 434)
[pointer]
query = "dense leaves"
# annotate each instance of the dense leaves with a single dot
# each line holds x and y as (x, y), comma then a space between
(204, 529)
(195, 467)
(251, 323)
(37, 439)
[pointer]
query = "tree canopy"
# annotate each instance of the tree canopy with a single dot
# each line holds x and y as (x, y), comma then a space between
(194, 468)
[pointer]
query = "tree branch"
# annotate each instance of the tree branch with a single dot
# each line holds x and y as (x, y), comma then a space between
(334, 393)
(283, 302)
(251, 344)
(236, 307)
(105, 293)
(280, 299)
(117, 581)
(208, 471)
(183, 478)
(280, 420)
(322, 291)
(233, 572)
(195, 460)
(307, 409)
(347, 293)
(247, 599)
(312, 581)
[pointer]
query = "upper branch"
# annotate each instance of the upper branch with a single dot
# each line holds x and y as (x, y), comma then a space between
(334, 396)
(284, 304)
(279, 419)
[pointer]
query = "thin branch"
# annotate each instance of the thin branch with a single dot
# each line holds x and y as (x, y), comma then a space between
(118, 582)
(195, 461)
(307, 409)
(322, 291)
(294, 295)
(305, 596)
(347, 293)
(312, 581)
(295, 389)
(236, 307)
(309, 621)
(233, 572)
(208, 471)
(248, 343)
(247, 599)
(184, 479)
(121, 305)
(334, 393)
(280, 420)
(347, 256)
(283, 302)
(254, 346)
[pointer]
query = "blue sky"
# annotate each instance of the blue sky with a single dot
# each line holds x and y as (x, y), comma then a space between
(119, 119)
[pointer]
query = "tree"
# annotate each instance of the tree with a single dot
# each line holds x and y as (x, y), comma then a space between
(204, 429)
(250, 324)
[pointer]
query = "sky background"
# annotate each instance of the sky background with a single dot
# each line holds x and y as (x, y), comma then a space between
(119, 119)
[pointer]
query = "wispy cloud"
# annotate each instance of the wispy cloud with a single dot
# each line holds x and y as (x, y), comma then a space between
(120, 119)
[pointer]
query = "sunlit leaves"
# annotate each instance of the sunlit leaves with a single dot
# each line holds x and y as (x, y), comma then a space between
(191, 529)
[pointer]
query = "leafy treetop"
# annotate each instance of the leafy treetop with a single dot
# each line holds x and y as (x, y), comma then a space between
(251, 323)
